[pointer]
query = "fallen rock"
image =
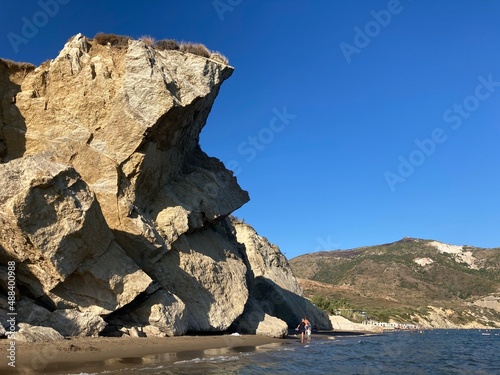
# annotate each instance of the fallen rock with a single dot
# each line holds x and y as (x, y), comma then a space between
(163, 313)
(52, 226)
(256, 321)
(103, 287)
(29, 333)
(68, 322)
(75, 323)
(153, 331)
(31, 313)
(50, 222)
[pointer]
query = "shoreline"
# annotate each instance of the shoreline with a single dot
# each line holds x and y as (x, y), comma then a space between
(98, 354)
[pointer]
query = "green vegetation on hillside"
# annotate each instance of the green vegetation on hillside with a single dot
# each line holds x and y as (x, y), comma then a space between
(399, 280)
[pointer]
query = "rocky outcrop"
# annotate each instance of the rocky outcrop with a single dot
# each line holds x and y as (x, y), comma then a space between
(112, 212)
(206, 270)
(53, 228)
(273, 284)
(256, 321)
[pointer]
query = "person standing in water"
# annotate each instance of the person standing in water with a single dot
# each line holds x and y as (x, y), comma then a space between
(301, 328)
(307, 327)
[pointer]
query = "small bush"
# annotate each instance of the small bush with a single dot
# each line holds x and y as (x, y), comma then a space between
(219, 57)
(166, 44)
(148, 40)
(112, 39)
(195, 49)
(17, 66)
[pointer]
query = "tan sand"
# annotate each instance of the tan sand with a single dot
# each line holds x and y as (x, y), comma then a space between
(96, 354)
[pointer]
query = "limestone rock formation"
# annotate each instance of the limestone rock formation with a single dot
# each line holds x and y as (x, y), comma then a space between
(110, 209)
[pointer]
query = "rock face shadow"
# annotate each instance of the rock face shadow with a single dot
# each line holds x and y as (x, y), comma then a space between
(12, 123)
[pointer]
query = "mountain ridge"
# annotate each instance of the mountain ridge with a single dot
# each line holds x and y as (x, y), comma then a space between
(409, 276)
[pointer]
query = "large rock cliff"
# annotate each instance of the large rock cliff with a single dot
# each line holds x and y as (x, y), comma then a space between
(115, 217)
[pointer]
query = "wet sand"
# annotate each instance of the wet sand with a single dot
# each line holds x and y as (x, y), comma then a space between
(97, 354)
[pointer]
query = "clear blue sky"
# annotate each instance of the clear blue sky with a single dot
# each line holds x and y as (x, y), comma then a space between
(350, 123)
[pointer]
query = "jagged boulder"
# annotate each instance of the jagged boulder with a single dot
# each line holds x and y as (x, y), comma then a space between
(71, 322)
(29, 333)
(256, 321)
(50, 222)
(206, 270)
(52, 226)
(68, 322)
(266, 260)
(161, 314)
(109, 284)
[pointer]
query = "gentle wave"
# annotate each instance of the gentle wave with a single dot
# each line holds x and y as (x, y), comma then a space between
(220, 358)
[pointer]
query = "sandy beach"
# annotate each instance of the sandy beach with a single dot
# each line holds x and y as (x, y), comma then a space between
(92, 354)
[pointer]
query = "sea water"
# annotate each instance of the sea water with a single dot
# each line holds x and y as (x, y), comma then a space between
(426, 352)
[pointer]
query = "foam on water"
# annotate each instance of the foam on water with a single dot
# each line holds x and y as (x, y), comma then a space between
(220, 358)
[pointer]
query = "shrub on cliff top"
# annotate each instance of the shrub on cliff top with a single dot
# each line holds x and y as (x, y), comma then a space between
(17, 66)
(166, 44)
(195, 49)
(148, 40)
(112, 39)
(219, 57)
(162, 45)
